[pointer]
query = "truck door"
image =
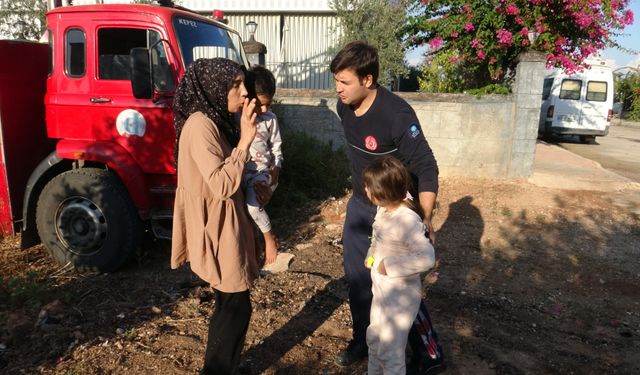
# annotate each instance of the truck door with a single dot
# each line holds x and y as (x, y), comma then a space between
(143, 127)
(595, 108)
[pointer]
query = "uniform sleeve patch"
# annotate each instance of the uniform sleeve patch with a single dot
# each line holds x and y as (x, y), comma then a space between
(414, 130)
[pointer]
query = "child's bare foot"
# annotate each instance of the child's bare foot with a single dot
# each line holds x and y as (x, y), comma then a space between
(271, 248)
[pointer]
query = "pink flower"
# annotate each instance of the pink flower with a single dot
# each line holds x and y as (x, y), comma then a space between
(453, 60)
(505, 37)
(454, 35)
(435, 43)
(474, 43)
(512, 9)
(481, 55)
(627, 18)
(469, 27)
(492, 60)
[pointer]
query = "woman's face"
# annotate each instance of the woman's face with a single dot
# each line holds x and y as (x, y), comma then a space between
(237, 94)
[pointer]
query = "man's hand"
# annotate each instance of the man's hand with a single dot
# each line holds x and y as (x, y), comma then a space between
(432, 233)
(428, 202)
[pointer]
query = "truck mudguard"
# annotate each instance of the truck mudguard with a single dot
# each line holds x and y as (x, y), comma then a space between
(37, 178)
(117, 159)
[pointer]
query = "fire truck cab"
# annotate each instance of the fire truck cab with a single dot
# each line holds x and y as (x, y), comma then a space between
(94, 161)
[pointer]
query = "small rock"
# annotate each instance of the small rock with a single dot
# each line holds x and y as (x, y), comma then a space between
(333, 227)
(118, 345)
(55, 308)
(156, 310)
(463, 293)
(303, 246)
(18, 326)
(120, 316)
(281, 264)
(120, 331)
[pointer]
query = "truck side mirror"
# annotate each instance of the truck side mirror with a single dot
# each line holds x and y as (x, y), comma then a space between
(141, 81)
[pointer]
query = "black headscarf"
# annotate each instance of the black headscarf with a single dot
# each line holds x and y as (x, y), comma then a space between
(205, 88)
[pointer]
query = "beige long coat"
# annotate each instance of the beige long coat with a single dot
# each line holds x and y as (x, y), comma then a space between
(211, 227)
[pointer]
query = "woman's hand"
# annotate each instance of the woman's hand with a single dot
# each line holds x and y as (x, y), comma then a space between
(247, 124)
(263, 193)
(275, 175)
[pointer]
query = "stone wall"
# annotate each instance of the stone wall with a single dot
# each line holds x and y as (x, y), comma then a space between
(489, 136)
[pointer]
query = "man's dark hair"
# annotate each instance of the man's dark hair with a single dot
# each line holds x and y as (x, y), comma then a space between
(260, 81)
(359, 56)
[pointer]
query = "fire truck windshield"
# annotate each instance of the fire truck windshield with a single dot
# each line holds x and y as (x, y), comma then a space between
(199, 39)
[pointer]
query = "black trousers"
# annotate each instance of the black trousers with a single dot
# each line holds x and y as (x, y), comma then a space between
(227, 331)
(356, 239)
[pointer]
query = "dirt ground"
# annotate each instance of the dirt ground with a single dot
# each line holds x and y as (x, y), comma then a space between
(530, 280)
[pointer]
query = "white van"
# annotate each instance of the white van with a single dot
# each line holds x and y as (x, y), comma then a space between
(580, 104)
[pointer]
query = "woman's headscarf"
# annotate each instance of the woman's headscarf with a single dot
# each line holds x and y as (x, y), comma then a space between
(205, 88)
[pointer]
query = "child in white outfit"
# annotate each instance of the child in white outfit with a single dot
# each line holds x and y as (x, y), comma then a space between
(266, 154)
(399, 252)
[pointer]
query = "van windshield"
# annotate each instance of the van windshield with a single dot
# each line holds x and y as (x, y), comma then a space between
(199, 39)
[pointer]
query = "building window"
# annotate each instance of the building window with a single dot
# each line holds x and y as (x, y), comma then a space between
(75, 59)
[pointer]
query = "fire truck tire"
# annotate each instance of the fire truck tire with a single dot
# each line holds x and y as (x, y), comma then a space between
(86, 218)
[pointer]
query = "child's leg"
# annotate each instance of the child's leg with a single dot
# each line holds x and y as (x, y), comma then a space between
(397, 312)
(377, 321)
(261, 219)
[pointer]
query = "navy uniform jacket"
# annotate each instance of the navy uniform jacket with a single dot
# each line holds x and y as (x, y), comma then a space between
(390, 126)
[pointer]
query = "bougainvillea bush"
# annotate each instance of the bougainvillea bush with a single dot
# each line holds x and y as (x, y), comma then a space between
(482, 38)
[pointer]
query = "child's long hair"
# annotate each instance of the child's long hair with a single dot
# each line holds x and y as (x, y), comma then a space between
(388, 181)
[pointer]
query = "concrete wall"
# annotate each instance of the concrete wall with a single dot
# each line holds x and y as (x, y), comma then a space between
(489, 136)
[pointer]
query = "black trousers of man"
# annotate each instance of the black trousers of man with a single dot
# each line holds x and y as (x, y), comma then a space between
(227, 331)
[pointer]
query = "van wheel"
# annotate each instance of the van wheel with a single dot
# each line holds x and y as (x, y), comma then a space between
(85, 218)
(587, 139)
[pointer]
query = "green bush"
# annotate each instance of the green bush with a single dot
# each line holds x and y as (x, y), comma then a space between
(312, 170)
(494, 88)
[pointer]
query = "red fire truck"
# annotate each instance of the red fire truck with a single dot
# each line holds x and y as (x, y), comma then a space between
(86, 124)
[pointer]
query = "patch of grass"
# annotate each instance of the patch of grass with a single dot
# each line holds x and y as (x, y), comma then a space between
(312, 171)
(23, 290)
(130, 334)
(506, 212)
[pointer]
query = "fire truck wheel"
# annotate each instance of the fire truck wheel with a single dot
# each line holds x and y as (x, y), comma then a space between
(86, 218)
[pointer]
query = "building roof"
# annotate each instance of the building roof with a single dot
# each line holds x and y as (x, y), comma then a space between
(244, 6)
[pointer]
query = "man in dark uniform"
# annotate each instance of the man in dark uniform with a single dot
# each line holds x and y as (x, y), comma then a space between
(376, 122)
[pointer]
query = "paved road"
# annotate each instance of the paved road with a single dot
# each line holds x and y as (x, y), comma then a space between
(618, 152)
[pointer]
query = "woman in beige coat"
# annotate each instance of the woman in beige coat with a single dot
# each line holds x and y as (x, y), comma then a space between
(211, 227)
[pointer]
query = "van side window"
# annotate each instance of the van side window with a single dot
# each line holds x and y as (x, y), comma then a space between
(597, 91)
(75, 55)
(114, 46)
(570, 89)
(546, 89)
